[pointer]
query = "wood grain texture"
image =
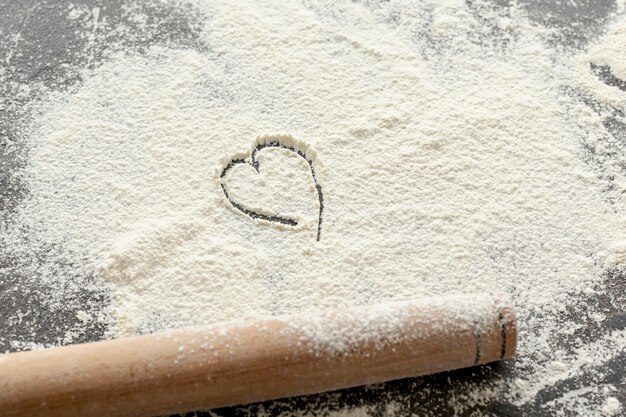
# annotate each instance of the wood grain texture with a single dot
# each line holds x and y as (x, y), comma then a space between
(246, 362)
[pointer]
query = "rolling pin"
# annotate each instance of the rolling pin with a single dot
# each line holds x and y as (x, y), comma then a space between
(244, 362)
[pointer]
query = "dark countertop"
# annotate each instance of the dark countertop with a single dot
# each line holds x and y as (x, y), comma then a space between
(39, 45)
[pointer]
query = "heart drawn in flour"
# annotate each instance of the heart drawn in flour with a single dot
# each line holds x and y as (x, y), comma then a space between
(277, 181)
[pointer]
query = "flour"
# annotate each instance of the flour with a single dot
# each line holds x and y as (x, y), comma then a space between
(335, 332)
(612, 407)
(451, 148)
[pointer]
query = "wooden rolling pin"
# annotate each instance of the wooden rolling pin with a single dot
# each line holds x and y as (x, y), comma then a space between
(237, 363)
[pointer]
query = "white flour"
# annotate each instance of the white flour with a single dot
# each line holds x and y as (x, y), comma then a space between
(448, 151)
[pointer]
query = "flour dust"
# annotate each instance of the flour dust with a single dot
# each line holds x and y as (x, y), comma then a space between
(457, 150)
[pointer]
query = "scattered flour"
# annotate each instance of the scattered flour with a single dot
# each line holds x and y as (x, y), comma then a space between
(450, 149)
(335, 332)
(612, 407)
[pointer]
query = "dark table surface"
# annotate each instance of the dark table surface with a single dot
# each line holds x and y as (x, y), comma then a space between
(40, 45)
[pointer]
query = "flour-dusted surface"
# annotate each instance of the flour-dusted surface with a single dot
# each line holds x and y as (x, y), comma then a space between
(450, 147)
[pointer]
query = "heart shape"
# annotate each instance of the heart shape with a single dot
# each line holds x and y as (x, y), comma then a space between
(288, 143)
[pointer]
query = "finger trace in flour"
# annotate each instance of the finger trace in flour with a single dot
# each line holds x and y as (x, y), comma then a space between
(282, 142)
